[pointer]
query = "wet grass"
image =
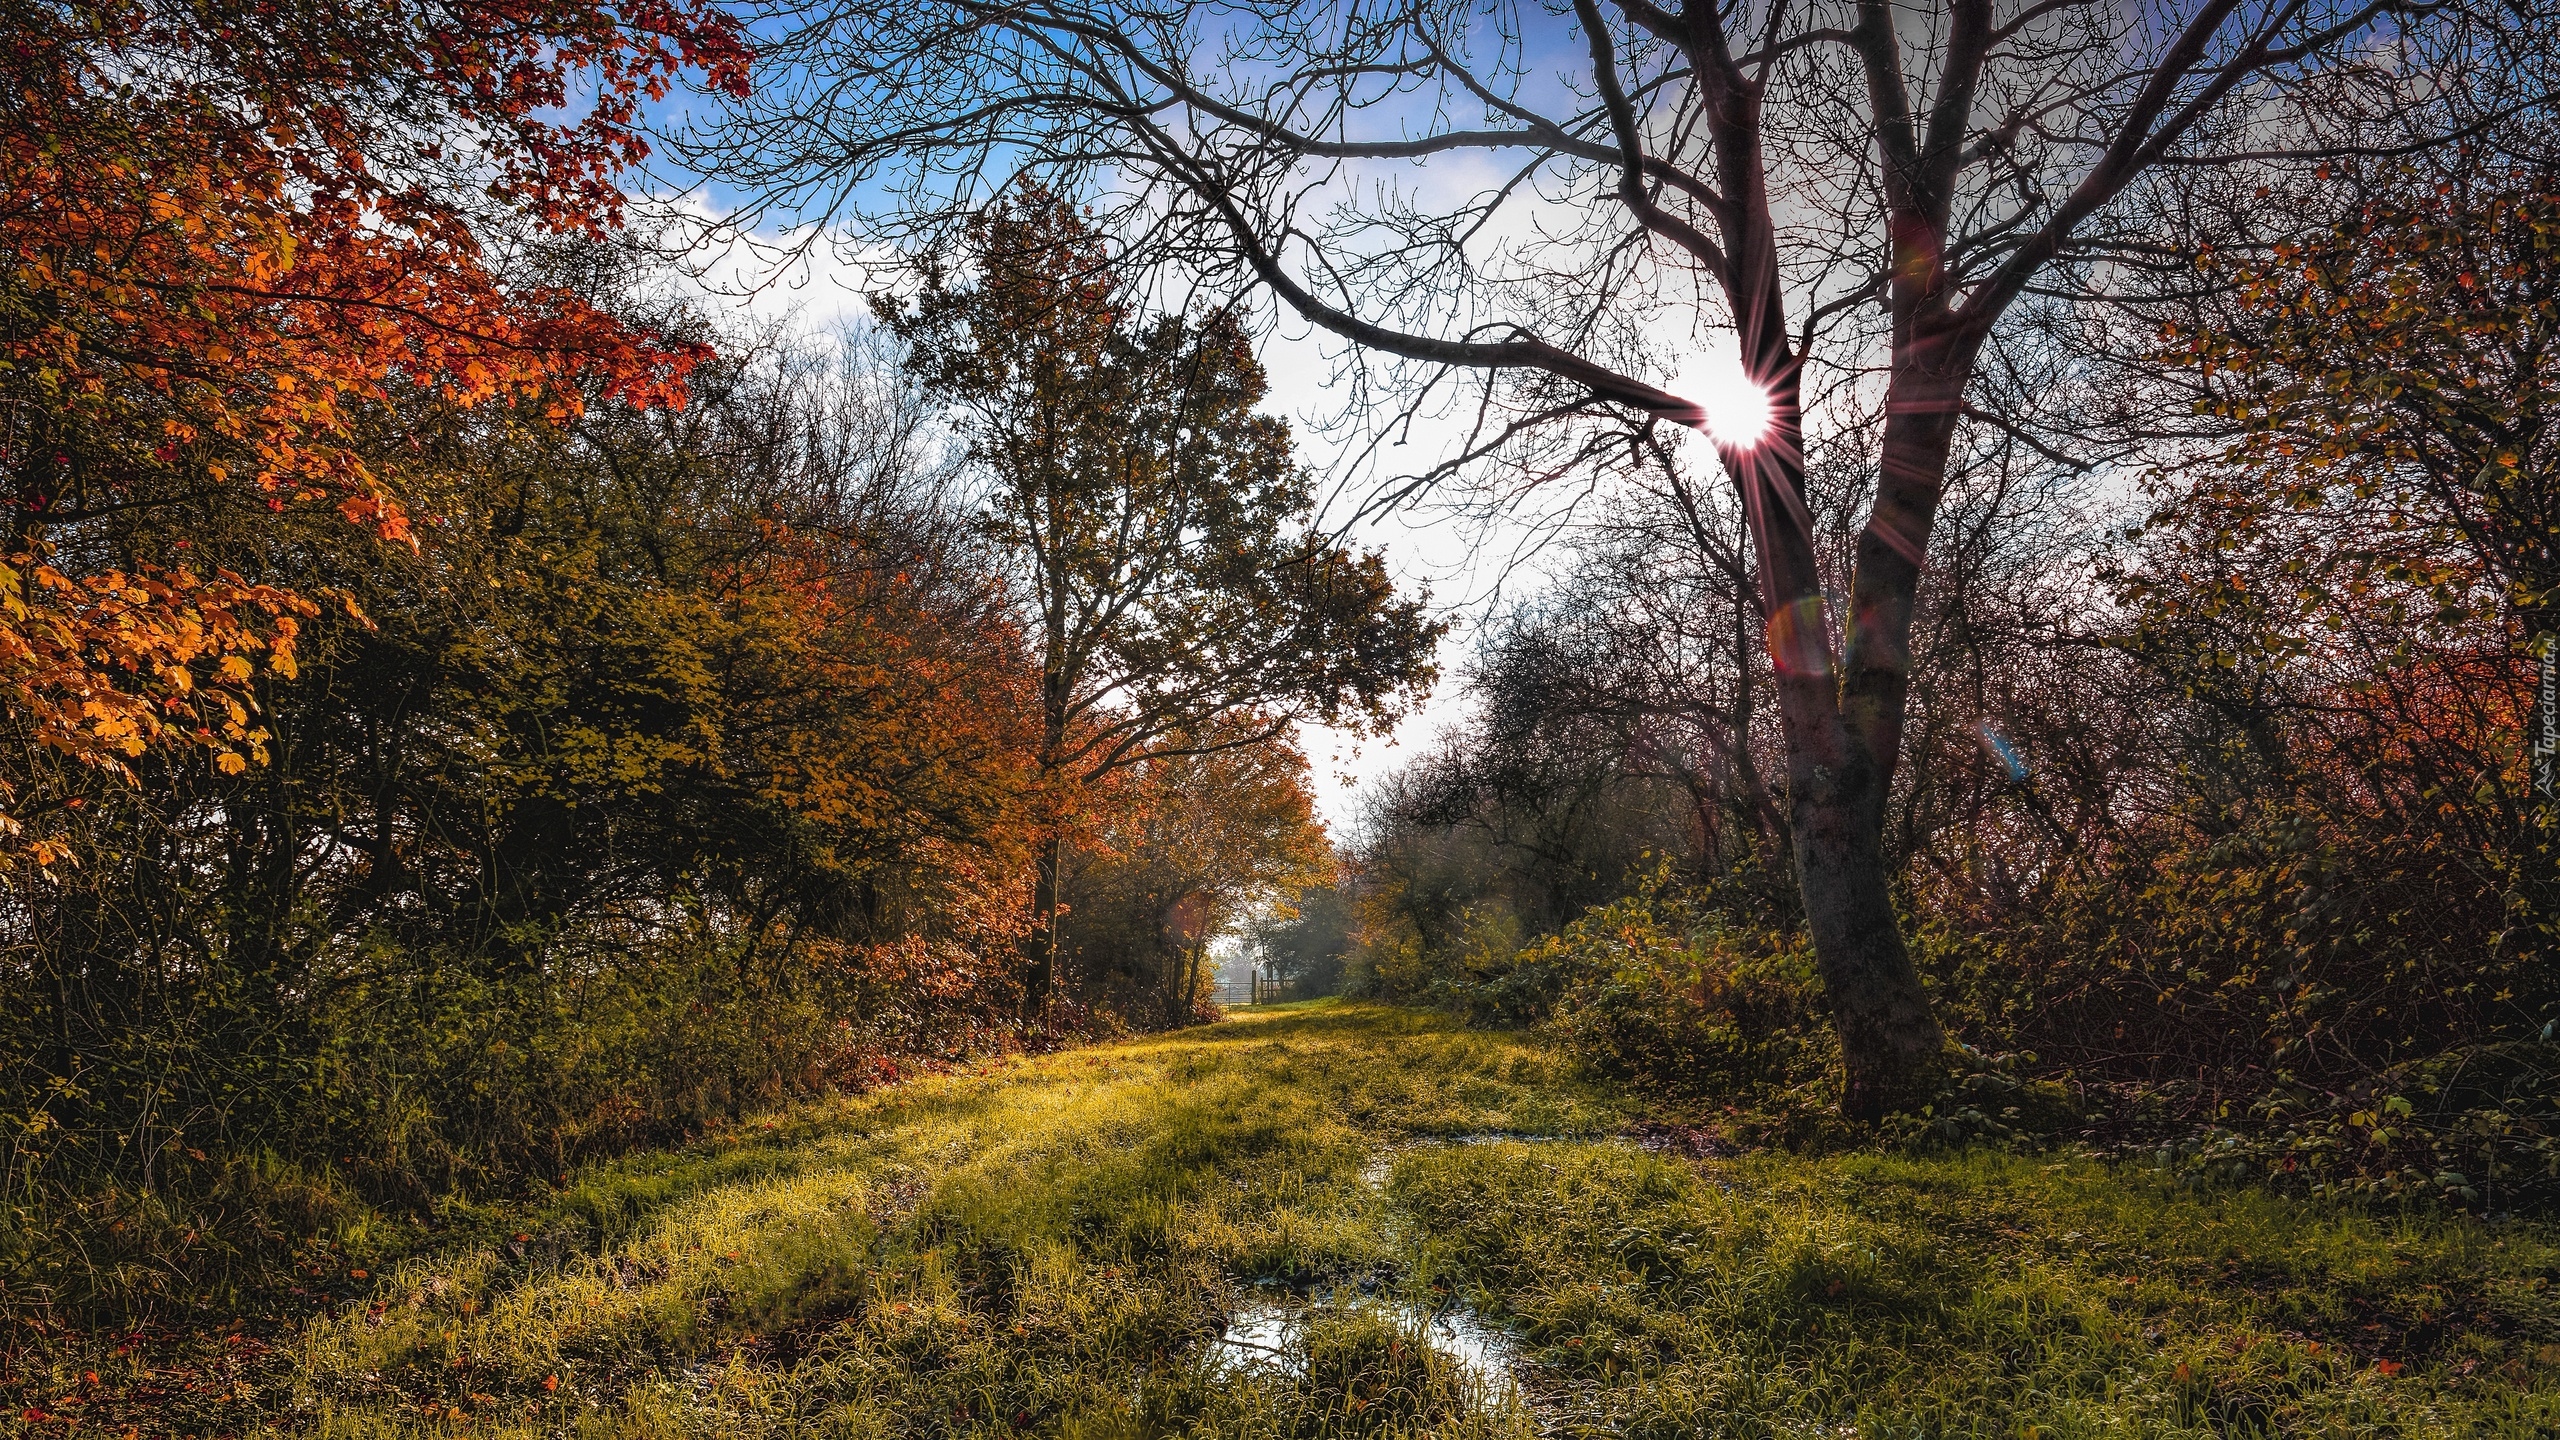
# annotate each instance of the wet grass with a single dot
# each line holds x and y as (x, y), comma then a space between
(1983, 1294)
(1051, 1246)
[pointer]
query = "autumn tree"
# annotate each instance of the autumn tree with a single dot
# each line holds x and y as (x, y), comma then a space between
(686, 753)
(1174, 577)
(1855, 192)
(2388, 390)
(1197, 841)
(2350, 588)
(724, 652)
(231, 231)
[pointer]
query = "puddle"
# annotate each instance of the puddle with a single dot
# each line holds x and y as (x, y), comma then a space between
(1485, 1353)
(1264, 1334)
(1257, 1338)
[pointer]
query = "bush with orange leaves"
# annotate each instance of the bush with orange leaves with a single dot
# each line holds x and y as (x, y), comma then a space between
(228, 232)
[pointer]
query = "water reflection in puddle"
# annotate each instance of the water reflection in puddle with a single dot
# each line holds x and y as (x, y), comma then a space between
(1257, 1338)
(1266, 1332)
(1485, 1355)
(1268, 1335)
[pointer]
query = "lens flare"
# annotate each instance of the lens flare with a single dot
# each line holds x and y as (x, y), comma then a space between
(1738, 411)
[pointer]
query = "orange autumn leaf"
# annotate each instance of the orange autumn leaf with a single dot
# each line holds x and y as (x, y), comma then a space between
(222, 243)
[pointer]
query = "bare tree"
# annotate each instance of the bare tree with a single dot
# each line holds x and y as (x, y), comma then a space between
(1860, 190)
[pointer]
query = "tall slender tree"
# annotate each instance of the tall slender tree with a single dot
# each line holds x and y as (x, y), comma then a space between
(1164, 532)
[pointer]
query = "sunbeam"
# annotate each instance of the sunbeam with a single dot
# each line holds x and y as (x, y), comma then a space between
(1738, 412)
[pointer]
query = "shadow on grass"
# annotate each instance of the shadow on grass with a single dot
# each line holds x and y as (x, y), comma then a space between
(1054, 1244)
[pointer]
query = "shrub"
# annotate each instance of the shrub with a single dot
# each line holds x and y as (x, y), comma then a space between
(1656, 991)
(1997, 1098)
(2476, 1127)
(184, 1168)
(2309, 998)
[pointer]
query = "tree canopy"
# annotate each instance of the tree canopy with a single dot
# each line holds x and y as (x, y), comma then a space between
(1175, 577)
(231, 234)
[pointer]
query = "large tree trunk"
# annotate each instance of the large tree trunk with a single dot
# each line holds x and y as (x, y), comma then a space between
(1882, 1012)
(1890, 1044)
(1842, 723)
(1841, 748)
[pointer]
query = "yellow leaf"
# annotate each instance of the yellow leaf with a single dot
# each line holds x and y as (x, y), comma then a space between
(230, 763)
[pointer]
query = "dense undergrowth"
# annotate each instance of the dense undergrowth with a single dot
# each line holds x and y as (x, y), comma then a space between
(1051, 1245)
(1725, 1022)
(421, 1098)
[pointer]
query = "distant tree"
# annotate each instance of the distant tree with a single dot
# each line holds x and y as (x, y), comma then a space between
(1194, 842)
(1645, 661)
(1179, 596)
(1307, 943)
(1863, 188)
(1619, 716)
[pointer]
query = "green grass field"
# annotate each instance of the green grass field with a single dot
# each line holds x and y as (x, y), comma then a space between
(1055, 1246)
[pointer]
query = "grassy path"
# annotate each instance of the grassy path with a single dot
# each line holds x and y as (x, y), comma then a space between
(1053, 1246)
